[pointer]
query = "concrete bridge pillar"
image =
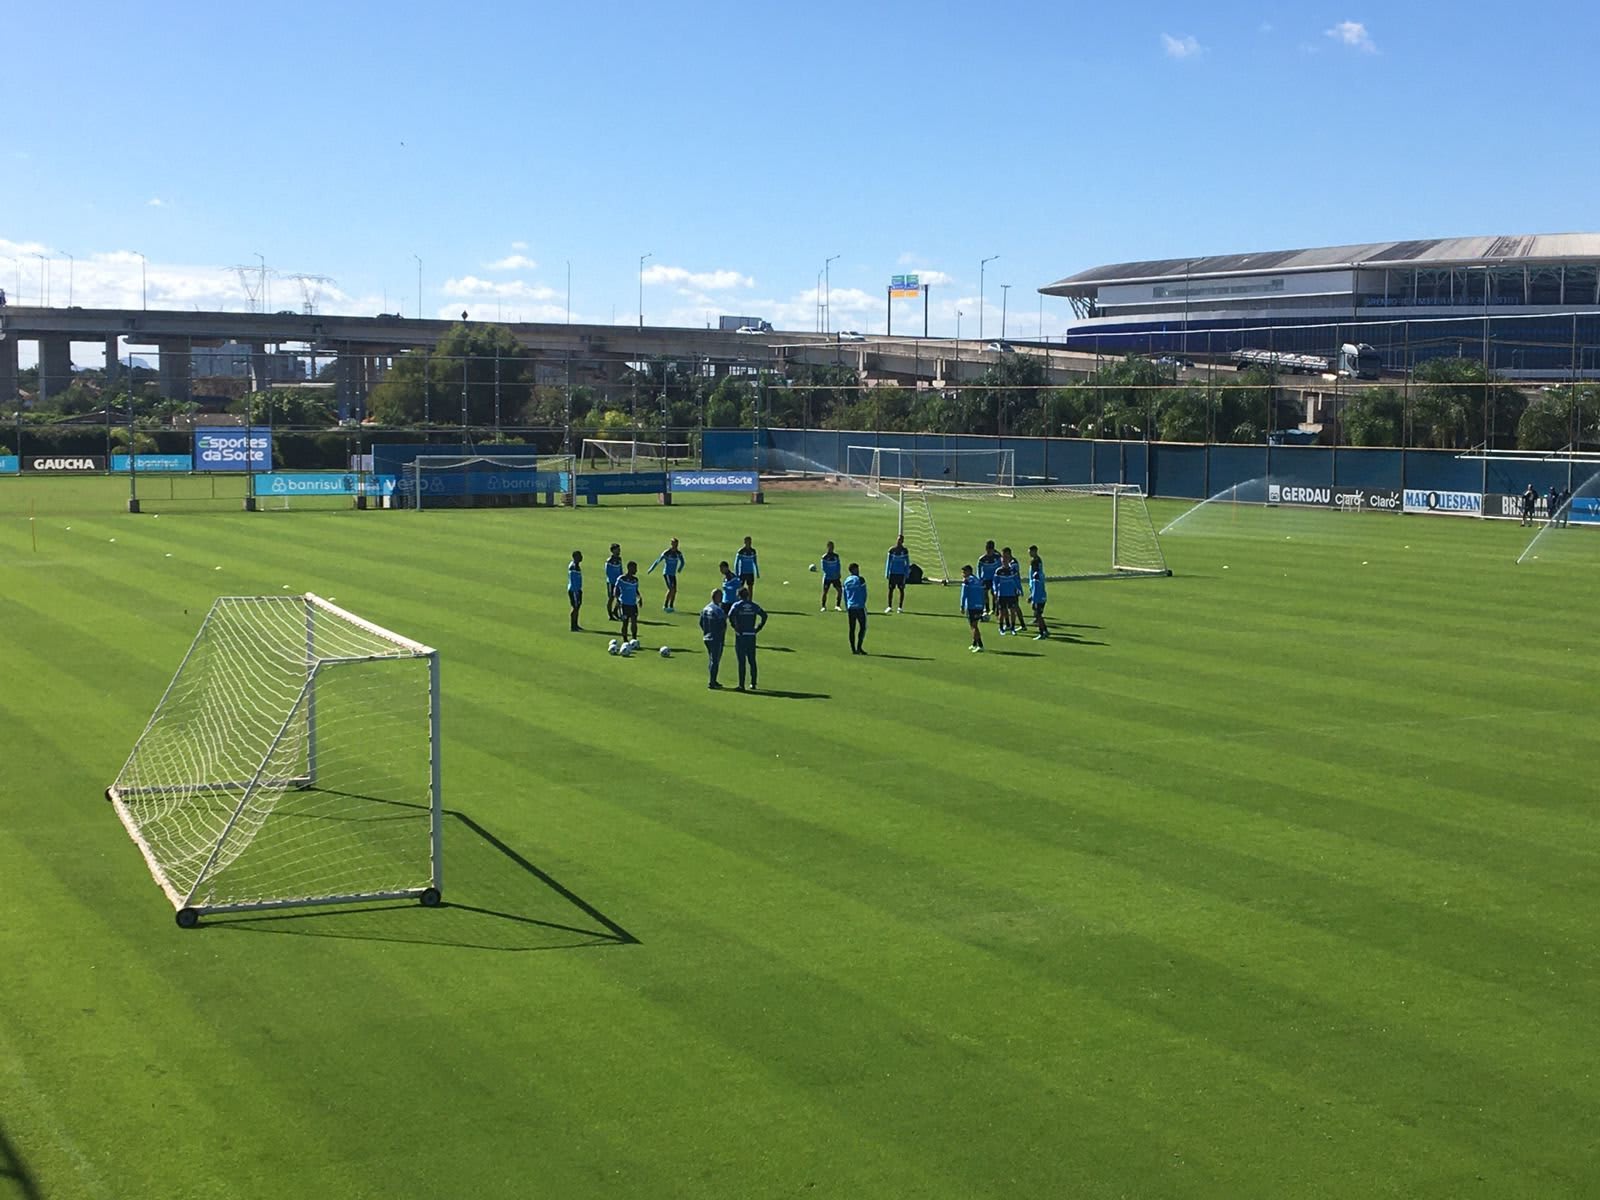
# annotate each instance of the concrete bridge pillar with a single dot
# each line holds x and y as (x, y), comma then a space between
(55, 365)
(352, 384)
(113, 366)
(176, 368)
(9, 400)
(260, 367)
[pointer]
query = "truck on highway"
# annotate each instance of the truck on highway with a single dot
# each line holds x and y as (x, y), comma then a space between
(742, 324)
(1357, 360)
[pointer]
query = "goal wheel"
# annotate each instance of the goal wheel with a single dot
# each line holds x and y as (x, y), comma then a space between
(430, 897)
(187, 918)
(108, 795)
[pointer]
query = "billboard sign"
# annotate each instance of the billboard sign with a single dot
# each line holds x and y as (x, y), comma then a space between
(60, 464)
(1345, 499)
(10, 464)
(154, 462)
(232, 448)
(621, 484)
(1453, 504)
(323, 483)
(1584, 510)
(904, 287)
(715, 481)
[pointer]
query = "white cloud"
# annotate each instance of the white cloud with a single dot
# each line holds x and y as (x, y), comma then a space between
(511, 262)
(1353, 34)
(1181, 47)
(927, 274)
(519, 245)
(713, 281)
(510, 289)
(155, 202)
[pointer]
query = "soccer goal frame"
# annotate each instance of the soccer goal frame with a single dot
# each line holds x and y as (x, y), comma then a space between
(627, 454)
(1118, 538)
(293, 760)
(558, 470)
(895, 468)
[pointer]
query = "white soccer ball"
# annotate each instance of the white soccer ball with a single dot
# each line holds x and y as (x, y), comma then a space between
(627, 650)
(613, 646)
(812, 567)
(666, 652)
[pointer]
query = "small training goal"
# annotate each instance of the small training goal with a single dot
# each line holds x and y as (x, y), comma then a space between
(631, 455)
(487, 480)
(293, 760)
(890, 468)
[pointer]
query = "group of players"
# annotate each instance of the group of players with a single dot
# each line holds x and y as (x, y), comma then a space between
(993, 590)
(1557, 508)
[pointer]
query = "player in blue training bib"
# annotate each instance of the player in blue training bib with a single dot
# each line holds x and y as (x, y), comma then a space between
(1036, 594)
(855, 609)
(628, 601)
(988, 564)
(973, 599)
(895, 569)
(744, 566)
(830, 579)
(730, 586)
(614, 569)
(670, 561)
(575, 586)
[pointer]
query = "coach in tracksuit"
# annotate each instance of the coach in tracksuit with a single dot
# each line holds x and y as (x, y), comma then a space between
(713, 630)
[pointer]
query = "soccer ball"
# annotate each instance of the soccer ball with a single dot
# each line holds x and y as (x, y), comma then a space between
(613, 646)
(666, 652)
(812, 567)
(627, 650)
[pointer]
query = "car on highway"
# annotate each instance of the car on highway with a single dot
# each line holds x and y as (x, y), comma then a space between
(850, 335)
(749, 329)
(1001, 347)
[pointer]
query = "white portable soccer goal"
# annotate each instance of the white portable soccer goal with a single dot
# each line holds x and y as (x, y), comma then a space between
(894, 468)
(482, 480)
(293, 760)
(631, 454)
(1083, 531)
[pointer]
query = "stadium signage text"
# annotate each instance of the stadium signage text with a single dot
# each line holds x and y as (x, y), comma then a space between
(1345, 499)
(154, 462)
(715, 481)
(1584, 510)
(1504, 505)
(592, 483)
(324, 483)
(63, 463)
(224, 449)
(1455, 504)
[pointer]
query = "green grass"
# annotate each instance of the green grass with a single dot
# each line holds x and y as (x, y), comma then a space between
(1275, 878)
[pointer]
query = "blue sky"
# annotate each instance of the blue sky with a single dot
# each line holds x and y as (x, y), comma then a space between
(741, 145)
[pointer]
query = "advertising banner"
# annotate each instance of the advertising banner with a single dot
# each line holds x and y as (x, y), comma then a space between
(154, 462)
(231, 448)
(10, 464)
(63, 463)
(1452, 504)
(1346, 499)
(1584, 510)
(1504, 506)
(622, 484)
(715, 481)
(323, 483)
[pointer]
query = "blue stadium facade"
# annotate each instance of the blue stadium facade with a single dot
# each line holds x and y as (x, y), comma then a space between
(1528, 305)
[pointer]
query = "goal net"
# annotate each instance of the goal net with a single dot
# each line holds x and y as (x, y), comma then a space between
(487, 480)
(617, 455)
(293, 760)
(892, 468)
(1083, 531)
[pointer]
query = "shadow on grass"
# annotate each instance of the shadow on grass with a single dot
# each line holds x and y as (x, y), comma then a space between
(501, 902)
(14, 1172)
(900, 657)
(782, 695)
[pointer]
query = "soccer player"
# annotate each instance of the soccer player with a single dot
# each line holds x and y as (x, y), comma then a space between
(730, 586)
(628, 601)
(855, 609)
(973, 599)
(744, 566)
(1530, 497)
(613, 573)
(830, 579)
(575, 587)
(1036, 594)
(713, 629)
(988, 564)
(670, 561)
(1007, 591)
(748, 619)
(895, 569)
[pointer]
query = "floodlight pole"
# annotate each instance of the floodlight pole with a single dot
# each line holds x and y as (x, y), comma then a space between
(981, 265)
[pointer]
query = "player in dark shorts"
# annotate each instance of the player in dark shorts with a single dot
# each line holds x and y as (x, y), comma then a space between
(972, 602)
(575, 587)
(628, 602)
(895, 569)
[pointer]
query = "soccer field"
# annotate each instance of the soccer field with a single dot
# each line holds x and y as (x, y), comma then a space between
(1279, 877)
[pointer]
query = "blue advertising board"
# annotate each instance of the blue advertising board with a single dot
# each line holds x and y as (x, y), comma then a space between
(232, 448)
(154, 462)
(622, 483)
(482, 480)
(1584, 510)
(323, 483)
(10, 464)
(715, 481)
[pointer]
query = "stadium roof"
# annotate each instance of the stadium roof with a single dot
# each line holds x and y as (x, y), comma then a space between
(1472, 251)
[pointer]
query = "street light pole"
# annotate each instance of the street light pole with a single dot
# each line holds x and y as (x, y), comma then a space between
(981, 265)
(1005, 289)
(827, 295)
(419, 286)
(72, 264)
(569, 291)
(144, 294)
(642, 257)
(44, 294)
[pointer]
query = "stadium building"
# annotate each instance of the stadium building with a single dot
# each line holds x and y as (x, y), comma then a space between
(1527, 305)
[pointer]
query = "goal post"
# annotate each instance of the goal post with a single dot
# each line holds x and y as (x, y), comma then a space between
(896, 467)
(486, 480)
(618, 454)
(292, 760)
(1083, 531)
